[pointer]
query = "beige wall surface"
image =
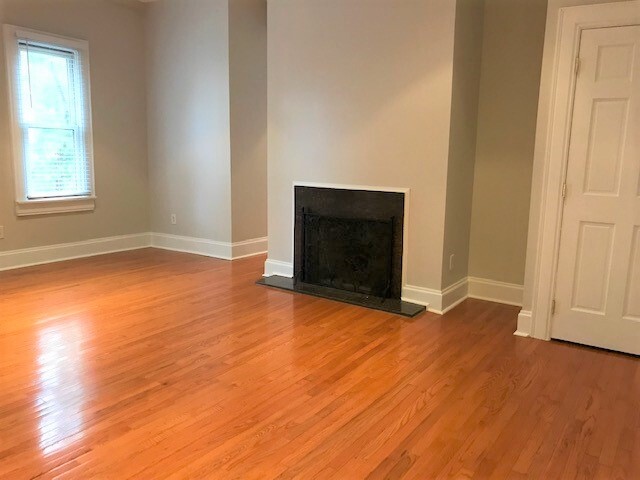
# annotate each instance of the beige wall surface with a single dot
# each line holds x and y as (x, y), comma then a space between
(462, 141)
(116, 43)
(511, 60)
(188, 112)
(248, 100)
(544, 109)
(359, 92)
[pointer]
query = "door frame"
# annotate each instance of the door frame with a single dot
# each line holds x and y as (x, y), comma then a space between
(571, 22)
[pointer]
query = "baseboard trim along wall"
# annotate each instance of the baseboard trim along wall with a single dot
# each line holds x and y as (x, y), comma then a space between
(197, 246)
(436, 301)
(454, 295)
(100, 246)
(494, 291)
(67, 251)
(525, 323)
(249, 248)
(276, 267)
(430, 298)
(210, 248)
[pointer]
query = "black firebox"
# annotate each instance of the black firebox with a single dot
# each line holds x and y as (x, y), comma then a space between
(354, 254)
(349, 240)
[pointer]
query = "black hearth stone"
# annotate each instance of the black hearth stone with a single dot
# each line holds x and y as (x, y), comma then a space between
(391, 305)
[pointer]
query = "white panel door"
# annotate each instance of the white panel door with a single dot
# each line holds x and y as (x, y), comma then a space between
(598, 279)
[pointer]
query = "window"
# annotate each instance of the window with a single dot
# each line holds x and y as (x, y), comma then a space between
(51, 122)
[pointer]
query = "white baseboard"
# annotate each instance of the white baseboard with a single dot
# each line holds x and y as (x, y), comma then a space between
(99, 246)
(454, 295)
(197, 246)
(437, 301)
(209, 248)
(249, 248)
(66, 251)
(276, 267)
(494, 291)
(430, 298)
(525, 323)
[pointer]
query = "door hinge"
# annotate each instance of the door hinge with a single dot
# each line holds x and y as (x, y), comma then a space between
(576, 66)
(553, 307)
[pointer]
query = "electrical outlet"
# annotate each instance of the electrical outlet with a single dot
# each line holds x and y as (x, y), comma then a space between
(452, 261)
(1, 231)
(174, 219)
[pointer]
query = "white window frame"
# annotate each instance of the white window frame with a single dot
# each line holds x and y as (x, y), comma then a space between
(24, 205)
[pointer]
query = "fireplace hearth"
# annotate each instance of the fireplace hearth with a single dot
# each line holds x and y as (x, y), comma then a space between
(348, 246)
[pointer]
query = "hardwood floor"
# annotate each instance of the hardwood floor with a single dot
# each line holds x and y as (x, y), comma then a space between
(153, 364)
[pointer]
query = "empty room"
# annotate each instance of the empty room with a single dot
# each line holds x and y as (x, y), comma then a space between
(320, 239)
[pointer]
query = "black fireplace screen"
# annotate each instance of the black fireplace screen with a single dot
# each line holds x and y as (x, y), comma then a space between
(348, 253)
(349, 241)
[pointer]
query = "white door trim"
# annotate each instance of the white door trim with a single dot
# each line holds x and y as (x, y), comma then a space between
(571, 22)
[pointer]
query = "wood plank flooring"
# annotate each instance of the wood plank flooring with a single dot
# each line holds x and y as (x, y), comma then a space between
(153, 364)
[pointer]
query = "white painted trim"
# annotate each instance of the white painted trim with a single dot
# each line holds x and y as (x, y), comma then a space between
(249, 248)
(197, 246)
(25, 206)
(441, 302)
(343, 186)
(430, 298)
(57, 205)
(455, 294)
(524, 324)
(494, 291)
(436, 301)
(276, 267)
(66, 251)
(555, 144)
(209, 248)
(99, 246)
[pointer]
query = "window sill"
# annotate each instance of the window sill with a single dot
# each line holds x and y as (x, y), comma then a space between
(27, 208)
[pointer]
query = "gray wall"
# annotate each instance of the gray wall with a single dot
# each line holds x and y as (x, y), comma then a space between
(467, 56)
(360, 93)
(248, 99)
(510, 80)
(188, 112)
(207, 102)
(116, 43)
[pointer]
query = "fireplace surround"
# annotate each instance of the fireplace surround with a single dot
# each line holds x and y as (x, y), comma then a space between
(348, 246)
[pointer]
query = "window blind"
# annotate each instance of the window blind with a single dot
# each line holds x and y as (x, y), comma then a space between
(52, 115)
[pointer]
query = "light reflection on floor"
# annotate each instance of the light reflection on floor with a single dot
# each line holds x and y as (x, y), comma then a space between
(61, 394)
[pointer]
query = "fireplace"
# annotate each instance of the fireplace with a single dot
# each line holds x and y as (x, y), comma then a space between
(354, 254)
(348, 246)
